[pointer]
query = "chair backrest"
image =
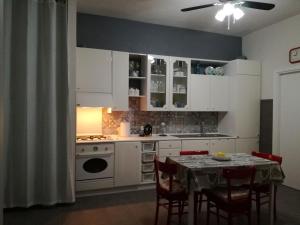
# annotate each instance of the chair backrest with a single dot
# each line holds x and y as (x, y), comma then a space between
(194, 152)
(244, 176)
(268, 156)
(165, 168)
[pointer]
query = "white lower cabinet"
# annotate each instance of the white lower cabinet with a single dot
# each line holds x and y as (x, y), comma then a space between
(247, 145)
(222, 145)
(169, 148)
(127, 163)
(200, 145)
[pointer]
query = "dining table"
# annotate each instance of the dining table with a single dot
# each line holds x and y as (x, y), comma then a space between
(196, 172)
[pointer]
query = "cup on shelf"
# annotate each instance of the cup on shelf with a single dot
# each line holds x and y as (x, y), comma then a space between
(136, 92)
(131, 91)
(135, 73)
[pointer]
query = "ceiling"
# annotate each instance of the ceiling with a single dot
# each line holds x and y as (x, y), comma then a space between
(167, 12)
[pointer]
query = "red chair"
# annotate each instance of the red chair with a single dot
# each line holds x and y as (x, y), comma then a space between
(169, 189)
(262, 191)
(198, 195)
(193, 152)
(233, 199)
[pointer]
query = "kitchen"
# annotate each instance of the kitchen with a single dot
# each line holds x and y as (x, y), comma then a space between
(145, 88)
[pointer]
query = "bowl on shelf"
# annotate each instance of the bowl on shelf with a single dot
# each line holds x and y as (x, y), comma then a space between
(219, 71)
(209, 70)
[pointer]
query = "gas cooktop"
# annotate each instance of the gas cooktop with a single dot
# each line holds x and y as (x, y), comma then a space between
(92, 138)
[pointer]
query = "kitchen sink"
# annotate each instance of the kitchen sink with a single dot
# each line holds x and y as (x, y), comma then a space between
(199, 135)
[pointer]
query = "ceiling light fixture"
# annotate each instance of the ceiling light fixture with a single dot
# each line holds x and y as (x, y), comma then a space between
(229, 10)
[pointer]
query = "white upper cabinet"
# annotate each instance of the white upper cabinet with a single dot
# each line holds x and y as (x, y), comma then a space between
(158, 81)
(180, 83)
(209, 93)
(200, 93)
(242, 118)
(120, 68)
(219, 93)
(94, 78)
(94, 70)
(244, 67)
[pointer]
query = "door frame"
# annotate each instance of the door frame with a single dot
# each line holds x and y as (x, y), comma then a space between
(276, 105)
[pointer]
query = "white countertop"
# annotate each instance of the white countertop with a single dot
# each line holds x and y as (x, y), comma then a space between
(154, 137)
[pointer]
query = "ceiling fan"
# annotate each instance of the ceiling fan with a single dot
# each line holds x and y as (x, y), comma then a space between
(232, 8)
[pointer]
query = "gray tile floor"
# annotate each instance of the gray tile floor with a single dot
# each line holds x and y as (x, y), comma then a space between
(134, 208)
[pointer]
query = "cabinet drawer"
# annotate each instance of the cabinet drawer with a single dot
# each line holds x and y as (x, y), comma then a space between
(148, 177)
(94, 147)
(196, 145)
(170, 144)
(147, 167)
(148, 156)
(169, 152)
(148, 146)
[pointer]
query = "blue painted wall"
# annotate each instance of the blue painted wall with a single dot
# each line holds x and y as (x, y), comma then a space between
(126, 35)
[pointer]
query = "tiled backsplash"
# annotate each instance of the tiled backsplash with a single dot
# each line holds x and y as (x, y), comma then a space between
(177, 122)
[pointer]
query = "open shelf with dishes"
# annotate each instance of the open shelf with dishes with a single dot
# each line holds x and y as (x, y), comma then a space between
(207, 67)
(137, 75)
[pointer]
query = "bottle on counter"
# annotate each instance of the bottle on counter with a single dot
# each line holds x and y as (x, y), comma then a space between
(141, 131)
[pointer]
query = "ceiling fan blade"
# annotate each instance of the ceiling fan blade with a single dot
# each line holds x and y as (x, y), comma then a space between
(258, 5)
(197, 7)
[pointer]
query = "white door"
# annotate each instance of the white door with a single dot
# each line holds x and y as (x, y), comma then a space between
(120, 80)
(127, 163)
(247, 145)
(289, 127)
(219, 93)
(200, 93)
(246, 103)
(93, 70)
(222, 145)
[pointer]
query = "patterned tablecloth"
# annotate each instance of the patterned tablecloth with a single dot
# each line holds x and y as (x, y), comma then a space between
(202, 171)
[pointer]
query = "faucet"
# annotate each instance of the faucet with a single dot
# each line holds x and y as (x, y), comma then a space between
(202, 123)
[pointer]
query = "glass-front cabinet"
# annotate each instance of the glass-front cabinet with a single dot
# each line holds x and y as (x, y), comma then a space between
(179, 79)
(158, 83)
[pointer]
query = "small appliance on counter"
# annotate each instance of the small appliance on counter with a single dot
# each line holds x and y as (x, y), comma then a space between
(147, 130)
(124, 129)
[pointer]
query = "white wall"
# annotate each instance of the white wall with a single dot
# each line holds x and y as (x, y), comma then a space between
(271, 46)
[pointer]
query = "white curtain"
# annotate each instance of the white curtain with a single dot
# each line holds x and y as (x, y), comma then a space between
(1, 106)
(40, 135)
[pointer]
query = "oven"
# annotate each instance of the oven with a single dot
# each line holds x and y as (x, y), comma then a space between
(94, 166)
